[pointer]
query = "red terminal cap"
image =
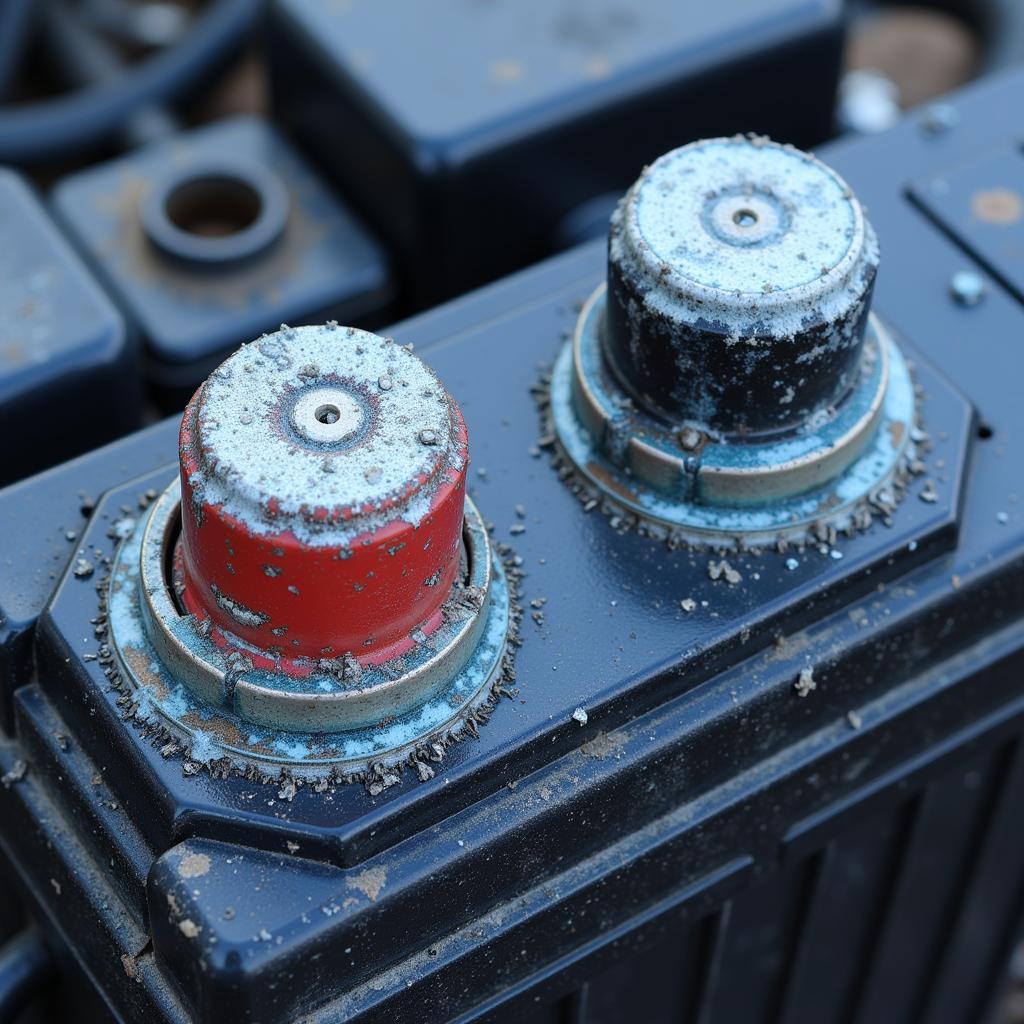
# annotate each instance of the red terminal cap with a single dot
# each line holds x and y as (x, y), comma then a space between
(323, 477)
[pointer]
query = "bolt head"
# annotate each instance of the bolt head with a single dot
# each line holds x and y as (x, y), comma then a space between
(967, 288)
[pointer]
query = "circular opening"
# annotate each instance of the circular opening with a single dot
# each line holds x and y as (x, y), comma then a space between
(327, 414)
(747, 216)
(214, 206)
(215, 214)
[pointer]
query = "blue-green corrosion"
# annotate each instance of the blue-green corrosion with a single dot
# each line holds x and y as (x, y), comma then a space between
(210, 733)
(868, 481)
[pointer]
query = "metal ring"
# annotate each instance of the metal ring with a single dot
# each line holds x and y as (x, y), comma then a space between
(713, 490)
(200, 183)
(191, 686)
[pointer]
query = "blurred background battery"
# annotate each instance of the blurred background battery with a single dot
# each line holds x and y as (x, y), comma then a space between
(478, 137)
(67, 368)
(211, 237)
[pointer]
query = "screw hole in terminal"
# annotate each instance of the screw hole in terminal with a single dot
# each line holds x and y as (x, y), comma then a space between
(327, 414)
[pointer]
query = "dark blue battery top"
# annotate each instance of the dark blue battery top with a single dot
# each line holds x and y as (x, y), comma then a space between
(54, 318)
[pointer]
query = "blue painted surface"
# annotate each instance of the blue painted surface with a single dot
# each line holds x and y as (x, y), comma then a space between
(325, 265)
(857, 849)
(64, 348)
(479, 65)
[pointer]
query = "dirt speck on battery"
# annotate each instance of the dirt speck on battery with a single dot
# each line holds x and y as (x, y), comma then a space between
(722, 570)
(369, 882)
(602, 746)
(805, 682)
(194, 865)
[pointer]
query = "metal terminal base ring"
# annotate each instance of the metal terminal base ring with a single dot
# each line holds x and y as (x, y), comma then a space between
(712, 491)
(340, 720)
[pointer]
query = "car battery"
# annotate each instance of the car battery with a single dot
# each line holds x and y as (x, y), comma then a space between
(211, 237)
(516, 677)
(477, 137)
(64, 349)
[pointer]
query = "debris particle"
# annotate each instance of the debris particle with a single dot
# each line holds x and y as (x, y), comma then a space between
(1002, 518)
(194, 865)
(516, 529)
(369, 882)
(131, 968)
(967, 288)
(690, 438)
(580, 716)
(83, 568)
(189, 928)
(18, 771)
(805, 683)
(792, 564)
(602, 745)
(122, 528)
(854, 719)
(928, 493)
(723, 570)
(688, 604)
(939, 118)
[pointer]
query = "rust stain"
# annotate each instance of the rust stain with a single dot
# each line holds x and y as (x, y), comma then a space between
(138, 662)
(608, 480)
(597, 67)
(228, 289)
(221, 728)
(1000, 206)
(504, 71)
(14, 353)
